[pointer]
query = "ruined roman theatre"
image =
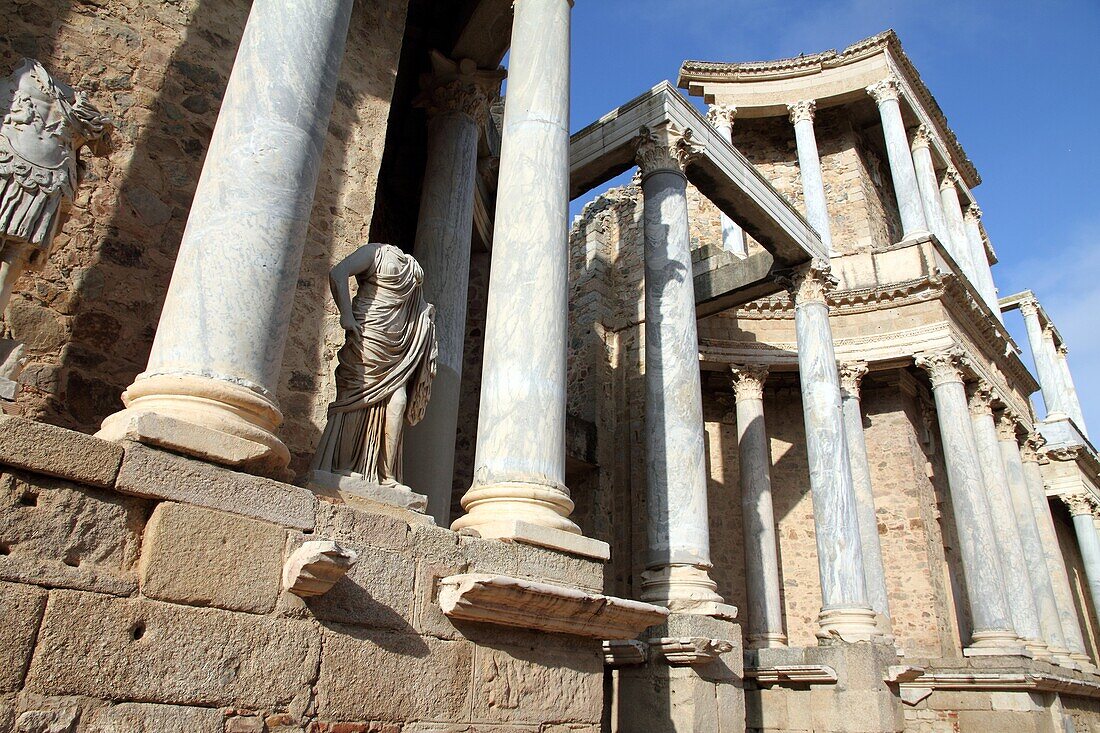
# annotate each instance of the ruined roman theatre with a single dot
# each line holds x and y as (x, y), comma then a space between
(744, 446)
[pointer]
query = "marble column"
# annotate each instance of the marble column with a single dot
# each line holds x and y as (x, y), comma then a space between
(733, 236)
(851, 375)
(1010, 549)
(809, 167)
(1052, 551)
(457, 97)
(956, 227)
(1083, 509)
(972, 220)
(887, 94)
(519, 488)
(1069, 390)
(209, 389)
(846, 611)
(929, 184)
(1041, 341)
(1038, 573)
(764, 627)
(678, 561)
(992, 632)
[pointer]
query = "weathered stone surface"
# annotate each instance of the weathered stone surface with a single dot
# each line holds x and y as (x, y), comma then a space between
(58, 452)
(159, 475)
(21, 609)
(315, 567)
(524, 685)
(408, 676)
(118, 649)
(202, 557)
(132, 717)
(355, 527)
(47, 721)
(57, 533)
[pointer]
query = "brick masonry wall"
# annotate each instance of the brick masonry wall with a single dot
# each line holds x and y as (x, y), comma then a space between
(160, 69)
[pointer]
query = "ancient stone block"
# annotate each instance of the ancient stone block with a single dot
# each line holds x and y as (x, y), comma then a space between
(58, 452)
(355, 527)
(202, 557)
(159, 475)
(21, 609)
(408, 676)
(57, 533)
(524, 685)
(132, 717)
(122, 649)
(315, 567)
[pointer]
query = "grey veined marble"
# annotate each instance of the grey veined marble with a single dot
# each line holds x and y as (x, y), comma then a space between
(886, 94)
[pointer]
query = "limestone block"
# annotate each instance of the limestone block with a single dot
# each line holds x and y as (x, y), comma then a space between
(974, 721)
(131, 717)
(558, 567)
(408, 676)
(58, 452)
(57, 533)
(524, 685)
(125, 649)
(315, 567)
(21, 609)
(355, 527)
(158, 475)
(47, 721)
(439, 553)
(202, 557)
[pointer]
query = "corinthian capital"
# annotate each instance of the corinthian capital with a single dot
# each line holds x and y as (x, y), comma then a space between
(1079, 504)
(980, 399)
(950, 178)
(1029, 449)
(885, 90)
(943, 367)
(458, 87)
(922, 137)
(809, 283)
(1007, 426)
(973, 212)
(803, 110)
(1029, 307)
(748, 381)
(664, 149)
(722, 115)
(851, 374)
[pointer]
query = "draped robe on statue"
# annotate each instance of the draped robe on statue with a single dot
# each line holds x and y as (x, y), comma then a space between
(395, 350)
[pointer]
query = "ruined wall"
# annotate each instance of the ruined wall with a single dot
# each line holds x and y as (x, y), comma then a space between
(160, 69)
(141, 591)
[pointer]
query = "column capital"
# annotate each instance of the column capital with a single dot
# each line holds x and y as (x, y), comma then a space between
(803, 110)
(1029, 307)
(851, 374)
(458, 86)
(808, 283)
(885, 90)
(980, 399)
(950, 178)
(973, 213)
(1061, 348)
(1078, 504)
(1007, 426)
(1029, 449)
(666, 148)
(943, 367)
(922, 137)
(748, 380)
(721, 115)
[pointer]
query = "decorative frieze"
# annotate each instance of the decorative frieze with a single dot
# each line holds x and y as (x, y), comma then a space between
(885, 90)
(664, 149)
(809, 283)
(802, 111)
(748, 380)
(943, 367)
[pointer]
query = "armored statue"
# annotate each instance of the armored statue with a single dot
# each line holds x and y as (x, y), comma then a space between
(45, 125)
(383, 375)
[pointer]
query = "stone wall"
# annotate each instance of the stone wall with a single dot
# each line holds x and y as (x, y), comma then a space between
(159, 69)
(141, 591)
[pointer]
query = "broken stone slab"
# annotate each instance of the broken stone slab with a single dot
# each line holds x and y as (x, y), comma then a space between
(312, 569)
(498, 599)
(357, 491)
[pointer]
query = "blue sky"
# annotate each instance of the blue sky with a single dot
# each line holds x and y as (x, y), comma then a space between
(1019, 82)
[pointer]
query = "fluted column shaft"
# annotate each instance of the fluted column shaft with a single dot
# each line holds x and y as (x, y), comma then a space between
(960, 243)
(1083, 509)
(886, 94)
(1043, 352)
(765, 622)
(457, 98)
(733, 236)
(984, 581)
(519, 466)
(929, 184)
(209, 389)
(845, 608)
(972, 219)
(851, 375)
(809, 167)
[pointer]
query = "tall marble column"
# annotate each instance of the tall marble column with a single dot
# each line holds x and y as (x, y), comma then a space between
(1070, 399)
(972, 220)
(851, 375)
(846, 611)
(1052, 551)
(765, 622)
(929, 184)
(456, 97)
(1083, 509)
(993, 632)
(676, 476)
(809, 167)
(887, 94)
(960, 244)
(733, 236)
(1038, 572)
(1010, 549)
(1043, 351)
(519, 467)
(209, 389)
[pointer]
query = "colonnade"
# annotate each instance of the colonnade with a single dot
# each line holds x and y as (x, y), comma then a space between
(1049, 353)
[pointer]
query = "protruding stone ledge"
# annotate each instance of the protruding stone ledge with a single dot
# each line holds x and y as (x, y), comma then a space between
(55, 451)
(689, 650)
(805, 674)
(624, 652)
(498, 599)
(315, 567)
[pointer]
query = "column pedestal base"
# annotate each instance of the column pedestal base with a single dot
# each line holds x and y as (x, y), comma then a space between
(1038, 649)
(210, 419)
(686, 589)
(516, 530)
(773, 640)
(997, 651)
(355, 489)
(847, 624)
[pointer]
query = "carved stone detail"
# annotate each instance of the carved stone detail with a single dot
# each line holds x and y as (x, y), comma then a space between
(1007, 425)
(689, 650)
(800, 673)
(802, 111)
(722, 115)
(973, 213)
(981, 398)
(1029, 307)
(1029, 449)
(950, 178)
(664, 149)
(624, 652)
(1079, 504)
(943, 367)
(851, 375)
(748, 380)
(885, 90)
(922, 137)
(808, 283)
(459, 86)
(315, 567)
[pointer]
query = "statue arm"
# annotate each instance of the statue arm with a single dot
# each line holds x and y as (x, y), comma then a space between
(358, 262)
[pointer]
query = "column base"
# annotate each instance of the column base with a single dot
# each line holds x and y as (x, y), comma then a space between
(539, 504)
(210, 419)
(1038, 649)
(1084, 660)
(847, 624)
(995, 642)
(771, 640)
(685, 589)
